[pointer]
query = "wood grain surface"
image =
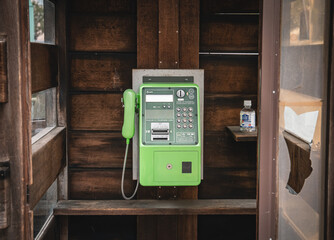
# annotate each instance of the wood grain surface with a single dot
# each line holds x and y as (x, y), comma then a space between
(147, 34)
(48, 155)
(209, 7)
(228, 184)
(95, 184)
(168, 34)
(230, 74)
(229, 34)
(107, 72)
(103, 6)
(157, 207)
(96, 112)
(189, 34)
(44, 66)
(97, 150)
(223, 110)
(3, 70)
(220, 150)
(102, 33)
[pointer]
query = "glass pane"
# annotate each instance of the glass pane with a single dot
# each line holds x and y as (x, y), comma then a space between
(302, 108)
(44, 208)
(43, 112)
(42, 21)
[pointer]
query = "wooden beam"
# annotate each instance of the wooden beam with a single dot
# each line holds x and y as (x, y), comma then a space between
(44, 66)
(3, 70)
(48, 156)
(168, 34)
(147, 34)
(189, 34)
(156, 207)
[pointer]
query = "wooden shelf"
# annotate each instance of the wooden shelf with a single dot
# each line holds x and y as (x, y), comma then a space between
(242, 136)
(157, 207)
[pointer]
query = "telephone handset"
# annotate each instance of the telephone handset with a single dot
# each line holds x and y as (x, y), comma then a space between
(129, 101)
(128, 131)
(169, 139)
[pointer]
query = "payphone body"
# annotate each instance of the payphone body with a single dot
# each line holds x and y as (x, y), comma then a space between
(169, 134)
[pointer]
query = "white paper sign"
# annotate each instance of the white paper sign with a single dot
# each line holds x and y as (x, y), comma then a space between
(302, 125)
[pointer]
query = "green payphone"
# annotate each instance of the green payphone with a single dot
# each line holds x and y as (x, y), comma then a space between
(169, 138)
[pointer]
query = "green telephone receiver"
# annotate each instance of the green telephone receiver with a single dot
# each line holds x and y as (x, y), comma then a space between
(129, 100)
(169, 136)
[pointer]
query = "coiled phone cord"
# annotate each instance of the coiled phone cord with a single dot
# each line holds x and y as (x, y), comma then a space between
(123, 173)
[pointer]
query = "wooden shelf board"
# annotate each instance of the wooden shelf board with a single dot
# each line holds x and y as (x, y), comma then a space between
(242, 136)
(157, 207)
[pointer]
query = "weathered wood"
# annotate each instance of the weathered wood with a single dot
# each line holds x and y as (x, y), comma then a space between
(187, 226)
(15, 116)
(103, 6)
(3, 70)
(227, 227)
(101, 72)
(229, 34)
(63, 227)
(61, 41)
(221, 151)
(209, 7)
(230, 74)
(102, 227)
(96, 112)
(48, 156)
(97, 150)
(228, 184)
(156, 207)
(115, 33)
(44, 66)
(189, 34)
(147, 34)
(223, 110)
(330, 148)
(99, 184)
(168, 34)
(4, 197)
(239, 136)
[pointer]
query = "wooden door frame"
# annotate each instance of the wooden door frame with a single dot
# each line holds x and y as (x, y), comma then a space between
(267, 195)
(15, 133)
(329, 195)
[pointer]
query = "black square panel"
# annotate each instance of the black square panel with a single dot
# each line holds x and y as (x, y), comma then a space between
(186, 167)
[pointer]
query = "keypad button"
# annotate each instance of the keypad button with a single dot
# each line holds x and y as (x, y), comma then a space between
(184, 109)
(178, 115)
(190, 120)
(190, 109)
(191, 97)
(178, 126)
(164, 106)
(185, 126)
(184, 115)
(190, 115)
(178, 109)
(191, 91)
(168, 106)
(184, 120)
(190, 126)
(178, 120)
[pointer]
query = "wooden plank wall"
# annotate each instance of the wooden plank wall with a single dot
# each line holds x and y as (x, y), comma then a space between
(228, 28)
(102, 53)
(122, 35)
